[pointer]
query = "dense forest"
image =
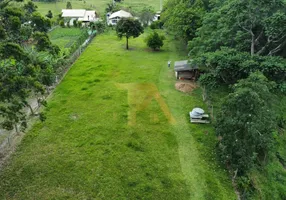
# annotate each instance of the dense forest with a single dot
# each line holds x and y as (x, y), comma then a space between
(241, 45)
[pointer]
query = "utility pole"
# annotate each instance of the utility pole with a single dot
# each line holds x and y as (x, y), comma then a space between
(161, 5)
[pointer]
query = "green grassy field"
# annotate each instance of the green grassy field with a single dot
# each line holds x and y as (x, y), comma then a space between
(98, 5)
(116, 128)
(65, 37)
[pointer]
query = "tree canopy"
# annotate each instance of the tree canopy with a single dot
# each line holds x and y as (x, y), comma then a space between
(21, 73)
(183, 18)
(257, 27)
(245, 123)
(128, 27)
(155, 41)
(241, 45)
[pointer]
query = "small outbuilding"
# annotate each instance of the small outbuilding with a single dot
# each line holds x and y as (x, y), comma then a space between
(184, 70)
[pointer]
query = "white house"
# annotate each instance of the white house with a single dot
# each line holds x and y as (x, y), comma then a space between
(115, 17)
(80, 15)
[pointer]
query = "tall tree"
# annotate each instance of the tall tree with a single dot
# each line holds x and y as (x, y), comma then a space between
(182, 18)
(128, 27)
(69, 5)
(255, 26)
(20, 76)
(245, 123)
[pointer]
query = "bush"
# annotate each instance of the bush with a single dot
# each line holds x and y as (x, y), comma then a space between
(62, 23)
(99, 26)
(155, 41)
(79, 24)
(74, 23)
(156, 25)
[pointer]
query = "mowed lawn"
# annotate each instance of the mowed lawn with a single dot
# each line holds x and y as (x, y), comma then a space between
(117, 129)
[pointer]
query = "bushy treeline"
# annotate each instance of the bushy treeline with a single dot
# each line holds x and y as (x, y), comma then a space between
(28, 60)
(239, 44)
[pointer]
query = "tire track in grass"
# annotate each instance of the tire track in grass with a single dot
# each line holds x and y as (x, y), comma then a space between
(203, 181)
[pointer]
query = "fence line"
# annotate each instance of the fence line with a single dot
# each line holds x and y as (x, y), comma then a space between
(7, 146)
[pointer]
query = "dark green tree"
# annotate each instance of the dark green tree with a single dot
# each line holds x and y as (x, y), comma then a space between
(259, 28)
(227, 66)
(155, 41)
(128, 27)
(40, 23)
(182, 18)
(20, 75)
(74, 23)
(17, 80)
(49, 14)
(69, 5)
(99, 26)
(245, 123)
(30, 7)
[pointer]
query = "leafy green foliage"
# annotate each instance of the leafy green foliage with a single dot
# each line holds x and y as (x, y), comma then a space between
(21, 74)
(69, 6)
(258, 28)
(75, 23)
(79, 23)
(246, 123)
(128, 27)
(49, 14)
(146, 16)
(155, 41)
(227, 66)
(13, 50)
(99, 26)
(40, 23)
(43, 42)
(183, 18)
(62, 23)
(30, 7)
(156, 24)
(17, 80)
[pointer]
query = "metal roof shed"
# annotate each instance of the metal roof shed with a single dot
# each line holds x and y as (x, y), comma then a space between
(184, 70)
(182, 65)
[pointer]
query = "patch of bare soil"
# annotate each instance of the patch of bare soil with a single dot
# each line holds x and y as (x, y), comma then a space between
(185, 86)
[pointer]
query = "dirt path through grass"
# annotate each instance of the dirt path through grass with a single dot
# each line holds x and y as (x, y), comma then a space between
(87, 149)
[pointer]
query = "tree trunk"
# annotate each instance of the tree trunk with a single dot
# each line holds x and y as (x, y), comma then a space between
(252, 44)
(127, 47)
(16, 128)
(31, 109)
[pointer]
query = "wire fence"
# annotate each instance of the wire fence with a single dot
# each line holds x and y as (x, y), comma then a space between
(8, 139)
